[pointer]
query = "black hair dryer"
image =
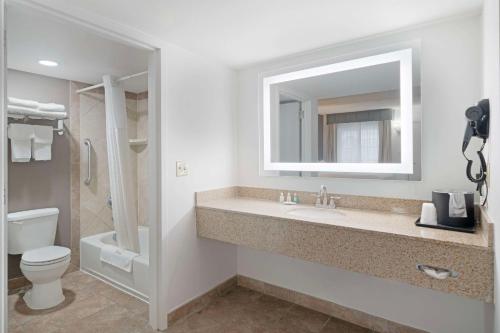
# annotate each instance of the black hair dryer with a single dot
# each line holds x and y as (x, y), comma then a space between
(478, 125)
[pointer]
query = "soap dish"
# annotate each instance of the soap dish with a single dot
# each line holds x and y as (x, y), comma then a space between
(445, 227)
(291, 203)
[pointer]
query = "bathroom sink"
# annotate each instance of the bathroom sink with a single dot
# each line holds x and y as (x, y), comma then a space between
(315, 213)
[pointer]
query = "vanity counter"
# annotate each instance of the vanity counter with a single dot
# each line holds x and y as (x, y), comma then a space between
(370, 221)
(378, 243)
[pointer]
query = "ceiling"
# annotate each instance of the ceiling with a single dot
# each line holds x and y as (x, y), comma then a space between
(82, 56)
(243, 32)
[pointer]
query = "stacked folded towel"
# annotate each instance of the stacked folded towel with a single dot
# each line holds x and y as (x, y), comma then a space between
(20, 136)
(22, 102)
(51, 107)
(28, 141)
(19, 108)
(42, 143)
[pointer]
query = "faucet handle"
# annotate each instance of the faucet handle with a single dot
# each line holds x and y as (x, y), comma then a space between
(332, 201)
(318, 200)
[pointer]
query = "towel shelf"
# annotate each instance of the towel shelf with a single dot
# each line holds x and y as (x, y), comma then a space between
(18, 108)
(58, 128)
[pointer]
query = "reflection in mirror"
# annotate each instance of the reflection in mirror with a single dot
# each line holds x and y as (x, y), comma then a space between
(356, 112)
(349, 116)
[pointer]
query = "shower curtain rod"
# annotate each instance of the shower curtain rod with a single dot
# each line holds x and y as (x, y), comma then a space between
(119, 80)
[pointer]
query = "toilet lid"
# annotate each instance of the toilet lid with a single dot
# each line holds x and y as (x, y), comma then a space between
(45, 255)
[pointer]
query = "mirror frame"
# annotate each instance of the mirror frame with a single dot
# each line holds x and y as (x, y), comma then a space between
(404, 57)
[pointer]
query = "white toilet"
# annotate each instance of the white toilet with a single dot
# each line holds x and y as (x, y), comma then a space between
(32, 234)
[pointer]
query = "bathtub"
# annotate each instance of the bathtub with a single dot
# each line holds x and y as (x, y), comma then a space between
(135, 283)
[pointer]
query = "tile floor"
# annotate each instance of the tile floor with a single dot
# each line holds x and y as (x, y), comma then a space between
(90, 306)
(93, 306)
(246, 311)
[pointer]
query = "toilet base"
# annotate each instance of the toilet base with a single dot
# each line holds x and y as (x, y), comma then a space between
(44, 296)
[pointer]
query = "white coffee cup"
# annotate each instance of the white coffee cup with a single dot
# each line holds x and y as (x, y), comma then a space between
(429, 214)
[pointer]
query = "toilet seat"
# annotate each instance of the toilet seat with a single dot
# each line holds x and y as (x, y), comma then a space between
(45, 256)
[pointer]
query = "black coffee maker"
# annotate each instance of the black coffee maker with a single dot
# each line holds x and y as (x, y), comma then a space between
(444, 208)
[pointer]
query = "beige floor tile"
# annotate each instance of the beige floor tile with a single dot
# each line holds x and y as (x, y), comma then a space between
(79, 311)
(90, 305)
(246, 311)
(15, 319)
(83, 282)
(232, 307)
(198, 321)
(304, 319)
(129, 302)
(339, 326)
(35, 328)
(71, 311)
(266, 309)
(113, 319)
(241, 295)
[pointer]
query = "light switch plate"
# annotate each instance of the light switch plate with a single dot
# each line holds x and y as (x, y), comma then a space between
(182, 169)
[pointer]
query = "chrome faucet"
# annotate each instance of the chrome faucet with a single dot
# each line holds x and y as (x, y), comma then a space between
(322, 199)
(323, 195)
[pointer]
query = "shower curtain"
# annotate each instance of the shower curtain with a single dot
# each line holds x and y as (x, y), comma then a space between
(330, 143)
(120, 172)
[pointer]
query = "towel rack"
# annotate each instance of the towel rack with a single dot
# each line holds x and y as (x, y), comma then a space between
(58, 128)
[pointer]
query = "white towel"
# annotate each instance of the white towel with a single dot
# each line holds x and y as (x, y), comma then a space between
(22, 102)
(42, 142)
(36, 105)
(20, 136)
(22, 111)
(456, 206)
(117, 257)
(51, 107)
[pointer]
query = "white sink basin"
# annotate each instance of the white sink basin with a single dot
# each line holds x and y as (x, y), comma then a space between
(318, 213)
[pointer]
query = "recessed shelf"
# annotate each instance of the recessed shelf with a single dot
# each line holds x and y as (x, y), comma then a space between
(138, 142)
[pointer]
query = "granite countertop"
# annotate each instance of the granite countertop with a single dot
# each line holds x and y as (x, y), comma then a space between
(371, 221)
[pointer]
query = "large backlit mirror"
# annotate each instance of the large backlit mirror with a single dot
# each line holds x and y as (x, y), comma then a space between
(354, 118)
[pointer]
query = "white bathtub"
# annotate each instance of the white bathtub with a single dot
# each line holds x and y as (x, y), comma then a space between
(134, 283)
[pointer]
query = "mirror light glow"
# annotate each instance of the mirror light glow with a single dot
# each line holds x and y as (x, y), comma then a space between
(48, 63)
(404, 57)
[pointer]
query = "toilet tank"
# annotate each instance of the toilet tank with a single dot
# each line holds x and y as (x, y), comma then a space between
(31, 229)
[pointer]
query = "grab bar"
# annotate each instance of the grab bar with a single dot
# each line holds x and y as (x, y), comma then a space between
(88, 143)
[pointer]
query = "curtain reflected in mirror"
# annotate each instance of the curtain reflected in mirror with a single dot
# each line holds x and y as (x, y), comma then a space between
(361, 137)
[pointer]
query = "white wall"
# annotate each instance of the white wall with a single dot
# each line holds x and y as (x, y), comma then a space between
(451, 80)
(200, 131)
(491, 90)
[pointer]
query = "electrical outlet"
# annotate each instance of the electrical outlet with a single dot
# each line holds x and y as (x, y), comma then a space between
(182, 169)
